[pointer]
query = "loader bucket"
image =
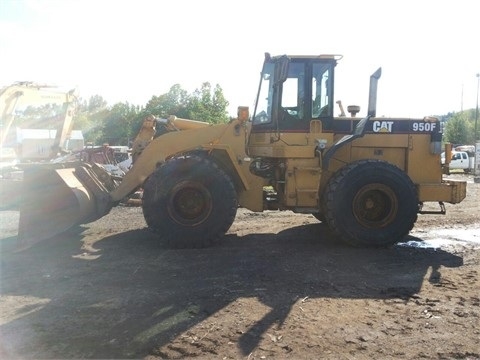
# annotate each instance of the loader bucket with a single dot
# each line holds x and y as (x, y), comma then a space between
(53, 200)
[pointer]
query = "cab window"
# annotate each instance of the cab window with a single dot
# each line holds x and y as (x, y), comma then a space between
(293, 91)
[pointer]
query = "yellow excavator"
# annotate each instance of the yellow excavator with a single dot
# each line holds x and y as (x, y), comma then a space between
(367, 179)
(33, 94)
(14, 98)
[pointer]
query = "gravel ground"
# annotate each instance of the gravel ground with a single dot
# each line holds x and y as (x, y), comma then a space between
(278, 286)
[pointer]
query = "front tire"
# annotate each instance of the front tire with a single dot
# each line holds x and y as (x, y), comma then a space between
(371, 203)
(189, 201)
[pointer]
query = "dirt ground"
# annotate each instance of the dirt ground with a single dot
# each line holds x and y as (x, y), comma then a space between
(278, 286)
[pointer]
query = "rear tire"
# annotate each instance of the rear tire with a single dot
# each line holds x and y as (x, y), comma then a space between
(190, 202)
(371, 203)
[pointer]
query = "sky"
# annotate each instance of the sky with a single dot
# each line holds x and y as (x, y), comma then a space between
(131, 50)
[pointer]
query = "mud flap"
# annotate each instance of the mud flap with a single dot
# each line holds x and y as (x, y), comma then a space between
(52, 201)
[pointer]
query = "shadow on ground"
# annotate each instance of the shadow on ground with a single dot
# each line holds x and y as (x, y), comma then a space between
(129, 294)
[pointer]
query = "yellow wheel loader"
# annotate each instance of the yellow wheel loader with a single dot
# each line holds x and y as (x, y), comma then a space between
(367, 179)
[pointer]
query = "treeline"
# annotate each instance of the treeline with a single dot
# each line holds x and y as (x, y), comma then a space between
(119, 124)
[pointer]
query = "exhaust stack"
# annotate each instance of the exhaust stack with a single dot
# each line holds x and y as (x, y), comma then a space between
(372, 96)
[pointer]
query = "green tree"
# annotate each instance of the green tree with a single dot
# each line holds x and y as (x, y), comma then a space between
(203, 104)
(93, 132)
(96, 103)
(207, 105)
(46, 116)
(117, 125)
(457, 129)
(90, 117)
(174, 102)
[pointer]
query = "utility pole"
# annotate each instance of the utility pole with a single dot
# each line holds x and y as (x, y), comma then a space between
(476, 163)
(461, 101)
(476, 110)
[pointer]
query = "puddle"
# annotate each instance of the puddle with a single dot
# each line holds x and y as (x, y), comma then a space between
(445, 238)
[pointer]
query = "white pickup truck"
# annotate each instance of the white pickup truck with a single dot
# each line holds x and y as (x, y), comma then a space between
(460, 160)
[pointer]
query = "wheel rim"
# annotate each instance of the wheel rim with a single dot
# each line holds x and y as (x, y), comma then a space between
(375, 206)
(190, 203)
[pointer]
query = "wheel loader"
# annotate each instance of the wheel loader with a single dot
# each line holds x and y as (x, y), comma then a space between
(367, 179)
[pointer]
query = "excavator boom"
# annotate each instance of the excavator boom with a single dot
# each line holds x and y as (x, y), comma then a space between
(28, 93)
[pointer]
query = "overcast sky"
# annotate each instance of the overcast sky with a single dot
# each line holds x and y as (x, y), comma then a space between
(130, 50)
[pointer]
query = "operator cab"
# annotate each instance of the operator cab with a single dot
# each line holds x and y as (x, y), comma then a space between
(293, 91)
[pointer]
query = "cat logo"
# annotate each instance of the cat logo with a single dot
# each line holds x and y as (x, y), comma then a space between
(382, 126)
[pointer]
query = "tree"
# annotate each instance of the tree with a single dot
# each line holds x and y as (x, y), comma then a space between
(459, 128)
(96, 103)
(207, 106)
(117, 125)
(203, 104)
(89, 118)
(172, 103)
(45, 116)
(93, 132)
